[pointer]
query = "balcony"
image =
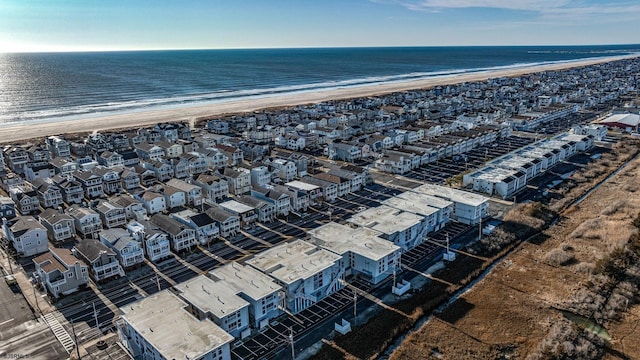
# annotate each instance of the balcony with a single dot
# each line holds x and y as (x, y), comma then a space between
(108, 270)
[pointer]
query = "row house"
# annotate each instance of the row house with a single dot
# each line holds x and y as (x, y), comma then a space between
(213, 187)
(128, 251)
(192, 192)
(245, 213)
(265, 211)
(111, 182)
(63, 166)
(356, 175)
(103, 262)
(26, 200)
(155, 241)
(239, 180)
(133, 209)
(70, 189)
(90, 182)
(345, 152)
(206, 228)
(110, 159)
(130, 158)
(228, 223)
(7, 208)
(147, 177)
(112, 215)
(278, 199)
(291, 141)
(86, 221)
(404, 229)
(211, 299)
(59, 225)
(49, 194)
(182, 237)
(60, 273)
(259, 290)
(38, 155)
(27, 235)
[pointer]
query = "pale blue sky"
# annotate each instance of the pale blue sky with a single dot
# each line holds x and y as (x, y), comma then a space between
(72, 25)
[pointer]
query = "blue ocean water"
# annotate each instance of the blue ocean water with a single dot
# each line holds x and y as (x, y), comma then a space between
(61, 85)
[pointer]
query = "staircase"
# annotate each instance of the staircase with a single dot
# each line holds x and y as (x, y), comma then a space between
(58, 330)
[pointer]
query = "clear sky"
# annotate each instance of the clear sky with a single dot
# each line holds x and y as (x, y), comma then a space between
(84, 25)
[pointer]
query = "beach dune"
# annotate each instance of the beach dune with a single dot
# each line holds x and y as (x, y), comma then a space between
(14, 132)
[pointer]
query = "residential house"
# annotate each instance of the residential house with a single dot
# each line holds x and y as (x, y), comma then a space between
(133, 209)
(110, 159)
(239, 180)
(174, 197)
(49, 194)
(245, 213)
(206, 228)
(90, 182)
(162, 169)
(285, 169)
(182, 237)
(260, 175)
(63, 166)
(193, 192)
(60, 273)
(71, 189)
(149, 326)
(155, 241)
(149, 152)
(26, 200)
(127, 249)
(111, 183)
(170, 149)
(128, 178)
(27, 235)
(102, 261)
(278, 198)
(228, 223)
(59, 225)
(153, 202)
(307, 273)
(211, 299)
(7, 208)
(112, 215)
(265, 210)
(85, 220)
(258, 289)
(213, 187)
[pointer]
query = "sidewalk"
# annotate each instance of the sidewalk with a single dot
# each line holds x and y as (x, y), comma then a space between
(36, 299)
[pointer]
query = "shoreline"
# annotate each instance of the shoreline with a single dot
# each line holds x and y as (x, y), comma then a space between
(192, 113)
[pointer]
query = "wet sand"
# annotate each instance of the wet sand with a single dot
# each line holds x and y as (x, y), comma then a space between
(28, 130)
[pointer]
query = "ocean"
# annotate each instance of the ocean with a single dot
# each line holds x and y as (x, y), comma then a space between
(47, 86)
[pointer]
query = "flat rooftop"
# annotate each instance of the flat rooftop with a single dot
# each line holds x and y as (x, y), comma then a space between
(174, 332)
(386, 219)
(210, 296)
(432, 201)
(245, 279)
(302, 185)
(413, 205)
(236, 207)
(451, 194)
(290, 262)
(341, 239)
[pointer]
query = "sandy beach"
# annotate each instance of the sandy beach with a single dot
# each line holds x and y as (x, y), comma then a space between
(23, 131)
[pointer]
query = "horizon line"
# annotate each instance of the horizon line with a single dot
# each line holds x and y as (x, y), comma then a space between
(106, 50)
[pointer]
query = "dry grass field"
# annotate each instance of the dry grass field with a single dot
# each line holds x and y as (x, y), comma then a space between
(523, 308)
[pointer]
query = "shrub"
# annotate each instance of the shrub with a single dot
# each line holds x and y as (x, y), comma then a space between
(559, 257)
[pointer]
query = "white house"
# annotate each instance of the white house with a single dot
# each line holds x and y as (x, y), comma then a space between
(59, 272)
(212, 299)
(160, 326)
(155, 241)
(258, 289)
(129, 252)
(363, 251)
(306, 272)
(404, 229)
(27, 235)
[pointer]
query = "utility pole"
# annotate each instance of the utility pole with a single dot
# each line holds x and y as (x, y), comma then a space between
(158, 282)
(355, 308)
(35, 295)
(293, 350)
(95, 316)
(75, 338)
(480, 230)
